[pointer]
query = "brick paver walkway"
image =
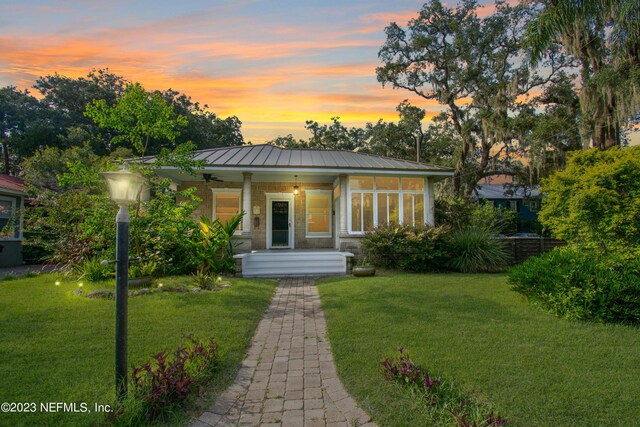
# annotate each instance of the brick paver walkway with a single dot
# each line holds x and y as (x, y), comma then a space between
(288, 377)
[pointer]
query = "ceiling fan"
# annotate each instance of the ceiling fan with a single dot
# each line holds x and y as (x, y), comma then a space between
(208, 178)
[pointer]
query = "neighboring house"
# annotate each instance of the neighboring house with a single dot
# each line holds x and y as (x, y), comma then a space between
(11, 206)
(307, 210)
(523, 200)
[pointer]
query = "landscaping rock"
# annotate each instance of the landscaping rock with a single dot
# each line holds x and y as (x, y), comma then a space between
(104, 294)
(78, 292)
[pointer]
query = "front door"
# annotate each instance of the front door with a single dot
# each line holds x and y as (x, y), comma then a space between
(280, 224)
(280, 221)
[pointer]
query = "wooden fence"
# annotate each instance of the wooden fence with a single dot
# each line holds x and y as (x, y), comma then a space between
(521, 248)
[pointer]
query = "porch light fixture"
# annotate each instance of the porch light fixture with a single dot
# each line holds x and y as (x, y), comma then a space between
(296, 189)
(124, 188)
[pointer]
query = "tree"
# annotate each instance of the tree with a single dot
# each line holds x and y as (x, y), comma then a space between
(335, 136)
(472, 67)
(604, 36)
(595, 201)
(547, 129)
(404, 140)
(204, 128)
(19, 112)
(139, 117)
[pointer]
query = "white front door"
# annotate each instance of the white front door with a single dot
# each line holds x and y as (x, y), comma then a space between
(280, 221)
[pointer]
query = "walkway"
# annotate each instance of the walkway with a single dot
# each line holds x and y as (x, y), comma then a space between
(24, 269)
(288, 377)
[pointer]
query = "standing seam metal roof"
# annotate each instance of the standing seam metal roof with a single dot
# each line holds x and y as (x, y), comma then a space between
(272, 156)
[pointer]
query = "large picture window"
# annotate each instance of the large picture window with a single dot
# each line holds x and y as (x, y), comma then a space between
(318, 213)
(226, 204)
(385, 200)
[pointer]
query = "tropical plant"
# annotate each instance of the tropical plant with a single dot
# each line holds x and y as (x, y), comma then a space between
(214, 247)
(473, 250)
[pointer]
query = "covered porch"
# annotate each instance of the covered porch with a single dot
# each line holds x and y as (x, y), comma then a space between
(303, 205)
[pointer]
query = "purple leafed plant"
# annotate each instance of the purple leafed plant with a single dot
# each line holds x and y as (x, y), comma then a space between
(400, 367)
(166, 381)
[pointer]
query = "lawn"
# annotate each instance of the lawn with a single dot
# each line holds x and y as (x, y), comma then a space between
(534, 368)
(59, 347)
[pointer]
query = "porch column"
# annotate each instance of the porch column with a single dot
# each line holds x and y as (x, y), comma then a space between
(343, 205)
(429, 199)
(246, 203)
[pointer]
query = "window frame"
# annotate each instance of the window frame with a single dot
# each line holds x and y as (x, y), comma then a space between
(375, 192)
(215, 192)
(17, 231)
(314, 234)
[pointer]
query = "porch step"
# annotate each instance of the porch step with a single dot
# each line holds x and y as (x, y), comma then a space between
(293, 263)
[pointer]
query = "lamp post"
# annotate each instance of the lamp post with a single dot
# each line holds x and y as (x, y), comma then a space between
(124, 188)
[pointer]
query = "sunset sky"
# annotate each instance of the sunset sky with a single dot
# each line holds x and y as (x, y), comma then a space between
(274, 64)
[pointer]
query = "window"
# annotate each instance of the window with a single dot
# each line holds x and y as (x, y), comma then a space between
(318, 213)
(7, 212)
(533, 205)
(513, 205)
(226, 203)
(385, 200)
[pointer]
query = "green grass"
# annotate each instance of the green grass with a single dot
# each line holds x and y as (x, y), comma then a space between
(534, 368)
(58, 347)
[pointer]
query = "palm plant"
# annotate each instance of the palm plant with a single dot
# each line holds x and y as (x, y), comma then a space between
(604, 35)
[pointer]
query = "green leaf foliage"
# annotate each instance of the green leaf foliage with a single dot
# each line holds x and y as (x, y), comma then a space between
(138, 117)
(581, 284)
(473, 250)
(595, 201)
(407, 248)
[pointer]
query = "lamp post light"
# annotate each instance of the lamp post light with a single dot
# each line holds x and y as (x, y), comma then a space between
(124, 188)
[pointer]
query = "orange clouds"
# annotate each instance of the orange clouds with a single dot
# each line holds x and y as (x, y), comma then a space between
(272, 75)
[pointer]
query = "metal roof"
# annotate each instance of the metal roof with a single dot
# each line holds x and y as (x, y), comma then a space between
(506, 191)
(270, 156)
(11, 183)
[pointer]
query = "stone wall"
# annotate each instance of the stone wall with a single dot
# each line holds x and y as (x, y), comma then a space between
(352, 244)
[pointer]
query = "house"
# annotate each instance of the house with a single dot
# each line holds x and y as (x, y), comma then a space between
(11, 206)
(523, 200)
(307, 210)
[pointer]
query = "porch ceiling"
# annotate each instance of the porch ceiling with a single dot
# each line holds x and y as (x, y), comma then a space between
(259, 176)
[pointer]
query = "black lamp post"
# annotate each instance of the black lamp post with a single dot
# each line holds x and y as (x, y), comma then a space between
(124, 188)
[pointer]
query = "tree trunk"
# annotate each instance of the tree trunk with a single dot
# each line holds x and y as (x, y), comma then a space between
(5, 153)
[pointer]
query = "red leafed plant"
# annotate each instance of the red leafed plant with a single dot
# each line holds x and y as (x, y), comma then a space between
(450, 402)
(166, 380)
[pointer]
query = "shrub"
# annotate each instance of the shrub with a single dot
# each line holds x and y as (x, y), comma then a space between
(165, 382)
(473, 250)
(93, 270)
(407, 248)
(461, 212)
(442, 396)
(582, 284)
(595, 201)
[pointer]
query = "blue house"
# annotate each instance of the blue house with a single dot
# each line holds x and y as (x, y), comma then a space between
(11, 205)
(523, 200)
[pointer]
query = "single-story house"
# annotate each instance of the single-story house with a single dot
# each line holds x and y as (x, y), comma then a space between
(11, 207)
(307, 210)
(523, 200)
